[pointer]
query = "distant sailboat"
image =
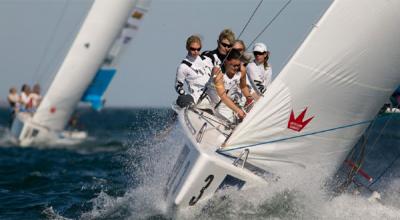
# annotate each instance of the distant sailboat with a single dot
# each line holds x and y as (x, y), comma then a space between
(311, 116)
(85, 73)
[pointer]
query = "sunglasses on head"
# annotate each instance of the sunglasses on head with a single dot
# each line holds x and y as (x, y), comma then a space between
(258, 53)
(194, 49)
(225, 45)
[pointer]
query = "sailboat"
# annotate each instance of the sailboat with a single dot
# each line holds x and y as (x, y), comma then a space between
(85, 73)
(309, 119)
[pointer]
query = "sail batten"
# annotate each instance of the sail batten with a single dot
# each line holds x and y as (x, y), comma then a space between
(341, 75)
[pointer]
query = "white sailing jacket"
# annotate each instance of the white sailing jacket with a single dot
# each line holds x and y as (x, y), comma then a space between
(232, 88)
(258, 77)
(195, 72)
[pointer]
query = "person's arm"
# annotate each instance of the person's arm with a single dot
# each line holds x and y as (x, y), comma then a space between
(220, 88)
(180, 79)
(243, 83)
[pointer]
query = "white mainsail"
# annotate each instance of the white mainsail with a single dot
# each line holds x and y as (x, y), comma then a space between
(96, 36)
(324, 98)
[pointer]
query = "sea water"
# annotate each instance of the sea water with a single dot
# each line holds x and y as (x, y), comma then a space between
(120, 173)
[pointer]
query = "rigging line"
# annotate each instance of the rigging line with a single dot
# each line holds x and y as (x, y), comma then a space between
(264, 29)
(384, 172)
(251, 17)
(50, 42)
(298, 136)
(362, 155)
(244, 28)
(355, 168)
(270, 22)
(395, 159)
(381, 131)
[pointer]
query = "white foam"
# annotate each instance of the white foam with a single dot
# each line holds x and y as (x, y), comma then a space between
(292, 197)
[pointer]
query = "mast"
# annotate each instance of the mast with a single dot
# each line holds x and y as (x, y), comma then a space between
(87, 53)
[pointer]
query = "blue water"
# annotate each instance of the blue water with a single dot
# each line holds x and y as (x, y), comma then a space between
(46, 181)
(120, 172)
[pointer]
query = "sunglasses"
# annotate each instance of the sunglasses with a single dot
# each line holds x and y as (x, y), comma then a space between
(226, 45)
(237, 66)
(195, 49)
(258, 53)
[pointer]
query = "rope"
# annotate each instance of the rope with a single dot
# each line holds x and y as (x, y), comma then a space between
(395, 159)
(251, 17)
(270, 22)
(49, 43)
(387, 168)
(357, 165)
(355, 170)
(298, 136)
(264, 29)
(303, 135)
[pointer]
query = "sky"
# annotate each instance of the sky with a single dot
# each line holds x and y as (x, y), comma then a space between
(35, 36)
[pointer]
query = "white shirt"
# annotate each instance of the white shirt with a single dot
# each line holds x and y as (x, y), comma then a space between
(35, 98)
(195, 76)
(24, 98)
(259, 78)
(231, 85)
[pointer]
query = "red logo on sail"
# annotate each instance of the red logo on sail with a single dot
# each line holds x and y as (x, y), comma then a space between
(298, 123)
(53, 110)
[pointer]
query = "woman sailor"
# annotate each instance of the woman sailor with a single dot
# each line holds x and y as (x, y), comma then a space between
(227, 88)
(195, 70)
(259, 71)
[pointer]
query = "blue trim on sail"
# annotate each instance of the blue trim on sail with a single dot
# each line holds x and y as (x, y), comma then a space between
(94, 93)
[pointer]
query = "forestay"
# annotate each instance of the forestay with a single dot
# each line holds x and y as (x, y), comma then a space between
(327, 94)
(96, 36)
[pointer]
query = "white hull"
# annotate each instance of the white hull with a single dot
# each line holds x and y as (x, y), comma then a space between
(28, 133)
(200, 171)
(312, 114)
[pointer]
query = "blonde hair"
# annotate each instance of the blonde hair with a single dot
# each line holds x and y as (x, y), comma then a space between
(240, 42)
(192, 39)
(227, 34)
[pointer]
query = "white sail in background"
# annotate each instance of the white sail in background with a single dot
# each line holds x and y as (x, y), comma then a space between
(128, 32)
(95, 91)
(96, 36)
(324, 98)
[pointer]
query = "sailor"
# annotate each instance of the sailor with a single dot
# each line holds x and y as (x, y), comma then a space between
(259, 71)
(228, 88)
(24, 98)
(34, 98)
(241, 47)
(13, 100)
(225, 41)
(195, 71)
(245, 58)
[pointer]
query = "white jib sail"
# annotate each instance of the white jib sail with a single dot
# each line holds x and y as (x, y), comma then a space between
(99, 30)
(324, 98)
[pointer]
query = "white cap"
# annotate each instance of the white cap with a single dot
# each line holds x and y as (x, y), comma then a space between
(260, 47)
